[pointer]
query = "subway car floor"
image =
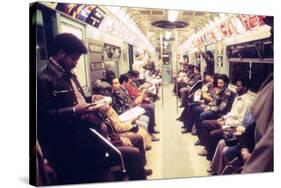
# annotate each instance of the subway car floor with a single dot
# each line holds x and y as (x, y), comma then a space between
(175, 155)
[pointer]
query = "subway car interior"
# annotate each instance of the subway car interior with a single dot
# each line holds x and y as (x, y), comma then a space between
(127, 93)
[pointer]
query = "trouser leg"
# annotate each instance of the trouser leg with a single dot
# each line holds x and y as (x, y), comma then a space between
(206, 127)
(133, 163)
(150, 112)
(196, 114)
(184, 94)
(209, 115)
(137, 141)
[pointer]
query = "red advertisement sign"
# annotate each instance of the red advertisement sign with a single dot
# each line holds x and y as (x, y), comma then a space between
(227, 28)
(251, 22)
(232, 26)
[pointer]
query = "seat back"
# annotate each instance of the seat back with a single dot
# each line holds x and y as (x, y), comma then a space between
(113, 148)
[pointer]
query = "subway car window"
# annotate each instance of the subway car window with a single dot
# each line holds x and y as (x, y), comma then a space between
(127, 93)
(253, 59)
(45, 33)
(257, 72)
(41, 42)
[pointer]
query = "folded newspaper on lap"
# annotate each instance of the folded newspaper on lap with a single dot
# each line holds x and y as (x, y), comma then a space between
(197, 96)
(131, 114)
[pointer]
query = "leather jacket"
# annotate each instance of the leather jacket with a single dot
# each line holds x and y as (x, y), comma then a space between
(55, 101)
(121, 101)
(221, 101)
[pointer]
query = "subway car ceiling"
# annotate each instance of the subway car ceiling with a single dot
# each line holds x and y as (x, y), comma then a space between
(114, 35)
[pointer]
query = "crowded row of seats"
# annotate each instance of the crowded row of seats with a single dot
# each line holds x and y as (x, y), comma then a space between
(225, 121)
(83, 139)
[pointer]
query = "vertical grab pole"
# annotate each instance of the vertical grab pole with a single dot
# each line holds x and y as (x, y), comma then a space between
(177, 100)
(161, 56)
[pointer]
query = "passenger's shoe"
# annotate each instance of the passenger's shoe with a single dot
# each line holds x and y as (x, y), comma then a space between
(179, 119)
(148, 172)
(181, 106)
(197, 143)
(203, 152)
(148, 147)
(185, 131)
(213, 174)
(155, 132)
(209, 170)
(154, 138)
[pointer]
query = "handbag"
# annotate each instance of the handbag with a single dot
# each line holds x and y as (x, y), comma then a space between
(229, 137)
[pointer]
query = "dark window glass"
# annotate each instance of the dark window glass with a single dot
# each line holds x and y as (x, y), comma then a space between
(41, 42)
(258, 72)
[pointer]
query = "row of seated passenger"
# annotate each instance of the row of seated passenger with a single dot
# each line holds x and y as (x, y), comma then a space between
(81, 138)
(104, 141)
(225, 121)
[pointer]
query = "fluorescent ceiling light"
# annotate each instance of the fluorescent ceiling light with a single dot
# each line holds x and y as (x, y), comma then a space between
(172, 15)
(168, 35)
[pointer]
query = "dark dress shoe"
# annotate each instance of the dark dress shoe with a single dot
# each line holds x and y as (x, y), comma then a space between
(213, 173)
(155, 132)
(148, 147)
(154, 139)
(179, 119)
(197, 143)
(148, 172)
(185, 131)
(210, 170)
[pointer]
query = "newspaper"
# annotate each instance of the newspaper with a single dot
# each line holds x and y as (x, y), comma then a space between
(132, 114)
(97, 104)
(197, 96)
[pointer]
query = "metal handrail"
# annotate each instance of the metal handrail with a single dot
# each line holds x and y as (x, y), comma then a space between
(123, 169)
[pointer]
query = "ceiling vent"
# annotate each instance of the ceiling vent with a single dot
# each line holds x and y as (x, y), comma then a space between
(146, 12)
(158, 12)
(170, 25)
